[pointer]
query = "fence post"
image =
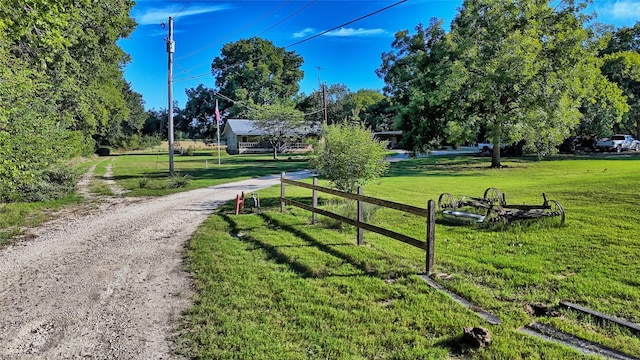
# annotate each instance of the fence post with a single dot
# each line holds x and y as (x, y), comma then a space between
(360, 217)
(282, 192)
(431, 227)
(314, 216)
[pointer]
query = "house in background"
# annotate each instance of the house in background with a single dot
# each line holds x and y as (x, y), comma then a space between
(393, 137)
(243, 138)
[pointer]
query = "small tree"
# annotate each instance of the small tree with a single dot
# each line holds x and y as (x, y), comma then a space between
(349, 156)
(280, 125)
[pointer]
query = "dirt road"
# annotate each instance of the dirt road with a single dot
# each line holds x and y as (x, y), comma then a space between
(108, 282)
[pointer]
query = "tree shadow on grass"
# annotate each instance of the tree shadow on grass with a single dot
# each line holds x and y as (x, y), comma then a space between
(274, 252)
(362, 265)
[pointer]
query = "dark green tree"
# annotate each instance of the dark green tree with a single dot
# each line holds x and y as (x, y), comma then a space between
(518, 71)
(623, 69)
(255, 71)
(200, 111)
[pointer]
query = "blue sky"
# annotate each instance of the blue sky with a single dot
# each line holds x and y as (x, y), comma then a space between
(349, 55)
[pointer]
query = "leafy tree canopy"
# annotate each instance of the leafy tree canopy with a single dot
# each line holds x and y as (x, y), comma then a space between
(513, 70)
(255, 71)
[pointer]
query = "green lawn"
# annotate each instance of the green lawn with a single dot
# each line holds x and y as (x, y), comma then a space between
(273, 286)
(201, 169)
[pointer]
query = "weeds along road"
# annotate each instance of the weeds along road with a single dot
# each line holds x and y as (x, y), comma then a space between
(106, 283)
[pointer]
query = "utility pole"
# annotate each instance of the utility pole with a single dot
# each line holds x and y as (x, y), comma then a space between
(171, 48)
(324, 101)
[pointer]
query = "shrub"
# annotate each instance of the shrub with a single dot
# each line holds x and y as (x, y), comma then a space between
(349, 156)
(47, 185)
(177, 181)
(143, 183)
(190, 151)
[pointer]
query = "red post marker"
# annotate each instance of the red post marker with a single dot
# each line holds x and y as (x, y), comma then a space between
(239, 203)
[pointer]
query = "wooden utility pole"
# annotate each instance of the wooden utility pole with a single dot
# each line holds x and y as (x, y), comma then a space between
(324, 102)
(171, 48)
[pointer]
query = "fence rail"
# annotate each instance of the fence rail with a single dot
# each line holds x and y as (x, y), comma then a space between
(428, 213)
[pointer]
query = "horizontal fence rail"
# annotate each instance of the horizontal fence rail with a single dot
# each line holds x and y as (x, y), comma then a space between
(428, 213)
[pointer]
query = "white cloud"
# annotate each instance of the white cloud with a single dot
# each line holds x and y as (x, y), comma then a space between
(344, 32)
(624, 9)
(156, 16)
(303, 33)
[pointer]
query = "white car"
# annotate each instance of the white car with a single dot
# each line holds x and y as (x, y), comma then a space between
(618, 143)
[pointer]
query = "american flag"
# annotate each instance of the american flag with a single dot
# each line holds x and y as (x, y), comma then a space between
(218, 120)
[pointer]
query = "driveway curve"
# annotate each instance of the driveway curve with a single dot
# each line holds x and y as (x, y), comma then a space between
(106, 283)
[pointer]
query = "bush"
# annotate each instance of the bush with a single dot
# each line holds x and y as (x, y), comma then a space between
(349, 156)
(177, 181)
(47, 185)
(143, 183)
(190, 151)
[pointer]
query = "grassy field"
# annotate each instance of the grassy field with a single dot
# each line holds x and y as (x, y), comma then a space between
(201, 169)
(272, 286)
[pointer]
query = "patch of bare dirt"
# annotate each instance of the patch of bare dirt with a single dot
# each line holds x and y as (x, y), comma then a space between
(106, 281)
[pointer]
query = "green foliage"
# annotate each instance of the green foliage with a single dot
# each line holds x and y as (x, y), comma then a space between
(199, 112)
(63, 87)
(349, 156)
(46, 185)
(507, 70)
(343, 105)
(178, 181)
(623, 69)
(255, 71)
(280, 123)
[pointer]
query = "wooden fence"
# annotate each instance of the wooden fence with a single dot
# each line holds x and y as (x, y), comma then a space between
(358, 222)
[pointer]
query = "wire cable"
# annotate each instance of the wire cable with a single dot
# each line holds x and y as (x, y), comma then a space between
(233, 33)
(345, 24)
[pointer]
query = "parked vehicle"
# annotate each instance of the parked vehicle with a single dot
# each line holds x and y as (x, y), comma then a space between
(618, 143)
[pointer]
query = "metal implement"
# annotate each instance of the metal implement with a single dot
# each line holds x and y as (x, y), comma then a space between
(493, 208)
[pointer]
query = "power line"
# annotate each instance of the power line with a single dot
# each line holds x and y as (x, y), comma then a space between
(238, 102)
(345, 24)
(235, 32)
(288, 17)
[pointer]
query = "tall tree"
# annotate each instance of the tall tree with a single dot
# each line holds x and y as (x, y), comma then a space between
(200, 111)
(623, 69)
(420, 78)
(517, 70)
(255, 71)
(65, 69)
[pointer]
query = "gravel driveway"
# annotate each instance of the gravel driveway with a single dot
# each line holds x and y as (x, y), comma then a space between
(106, 282)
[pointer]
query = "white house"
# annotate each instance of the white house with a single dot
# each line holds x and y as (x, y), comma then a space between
(243, 137)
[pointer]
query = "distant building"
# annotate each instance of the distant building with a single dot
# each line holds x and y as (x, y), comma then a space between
(393, 137)
(243, 137)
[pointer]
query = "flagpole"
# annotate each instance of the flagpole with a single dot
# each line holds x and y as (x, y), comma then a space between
(218, 130)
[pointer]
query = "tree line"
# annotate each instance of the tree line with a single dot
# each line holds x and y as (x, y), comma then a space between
(527, 71)
(62, 90)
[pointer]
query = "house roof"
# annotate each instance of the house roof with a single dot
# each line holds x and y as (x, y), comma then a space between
(241, 127)
(245, 127)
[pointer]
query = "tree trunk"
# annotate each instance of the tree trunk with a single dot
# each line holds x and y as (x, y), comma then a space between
(496, 142)
(275, 153)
